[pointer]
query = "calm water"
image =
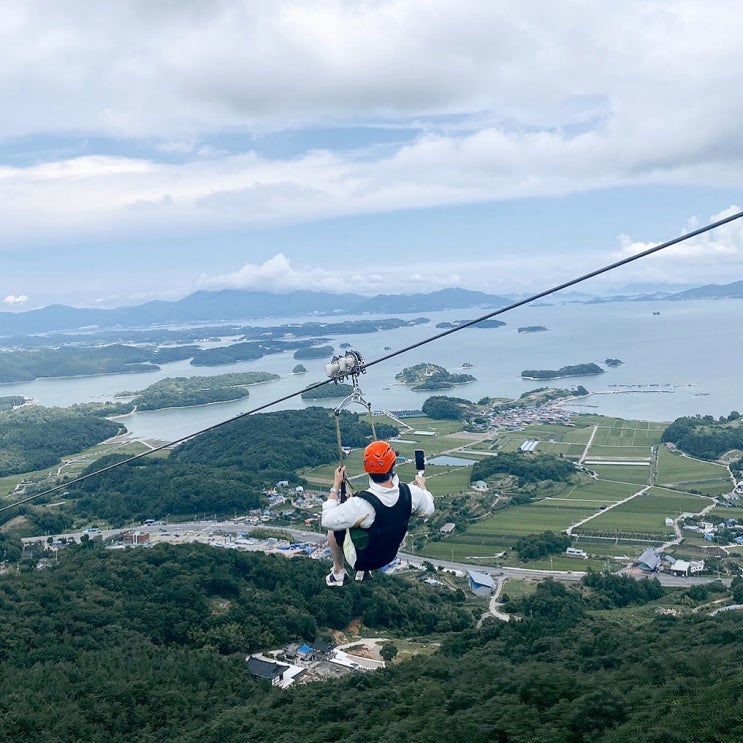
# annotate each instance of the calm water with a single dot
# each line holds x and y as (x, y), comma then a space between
(688, 360)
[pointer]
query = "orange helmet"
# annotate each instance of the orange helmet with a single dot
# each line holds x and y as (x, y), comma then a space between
(379, 458)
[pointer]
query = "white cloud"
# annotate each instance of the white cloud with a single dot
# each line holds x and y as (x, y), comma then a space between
(169, 70)
(700, 259)
(278, 275)
(545, 100)
(15, 299)
(494, 102)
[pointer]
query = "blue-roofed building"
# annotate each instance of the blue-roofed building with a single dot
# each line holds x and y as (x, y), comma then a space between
(648, 561)
(481, 584)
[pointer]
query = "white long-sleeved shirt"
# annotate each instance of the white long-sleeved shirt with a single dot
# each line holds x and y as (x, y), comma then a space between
(358, 512)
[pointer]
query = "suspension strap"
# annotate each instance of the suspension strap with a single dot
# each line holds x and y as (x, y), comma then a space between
(349, 365)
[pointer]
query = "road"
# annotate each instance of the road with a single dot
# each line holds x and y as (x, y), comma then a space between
(568, 576)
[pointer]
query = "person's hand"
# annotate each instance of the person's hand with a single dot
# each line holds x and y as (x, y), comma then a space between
(339, 476)
(420, 481)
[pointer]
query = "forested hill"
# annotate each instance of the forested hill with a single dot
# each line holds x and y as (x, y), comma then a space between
(154, 641)
(150, 644)
(222, 470)
(287, 440)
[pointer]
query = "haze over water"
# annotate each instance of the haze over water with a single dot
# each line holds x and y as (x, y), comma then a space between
(687, 360)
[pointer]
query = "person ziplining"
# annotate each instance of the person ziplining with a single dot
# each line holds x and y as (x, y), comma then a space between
(368, 528)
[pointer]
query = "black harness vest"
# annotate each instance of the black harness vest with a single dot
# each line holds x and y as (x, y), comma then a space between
(377, 546)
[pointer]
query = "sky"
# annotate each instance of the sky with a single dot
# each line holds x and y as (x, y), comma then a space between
(152, 149)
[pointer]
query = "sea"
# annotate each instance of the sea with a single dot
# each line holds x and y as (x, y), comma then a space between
(678, 358)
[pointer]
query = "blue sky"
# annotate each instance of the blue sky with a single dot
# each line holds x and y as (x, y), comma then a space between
(149, 150)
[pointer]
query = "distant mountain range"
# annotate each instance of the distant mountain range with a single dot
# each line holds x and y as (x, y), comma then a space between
(712, 291)
(234, 305)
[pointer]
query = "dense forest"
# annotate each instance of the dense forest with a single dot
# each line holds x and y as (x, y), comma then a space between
(534, 546)
(11, 401)
(150, 644)
(441, 407)
(527, 468)
(221, 471)
(704, 437)
(34, 437)
(103, 643)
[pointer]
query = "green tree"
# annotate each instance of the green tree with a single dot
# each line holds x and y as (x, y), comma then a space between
(388, 651)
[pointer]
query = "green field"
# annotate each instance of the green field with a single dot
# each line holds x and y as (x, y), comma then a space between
(517, 588)
(638, 474)
(620, 452)
(641, 519)
(529, 519)
(647, 512)
(603, 491)
(690, 474)
(620, 432)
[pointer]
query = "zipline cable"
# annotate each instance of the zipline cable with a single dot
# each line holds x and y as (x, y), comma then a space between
(565, 285)
(406, 349)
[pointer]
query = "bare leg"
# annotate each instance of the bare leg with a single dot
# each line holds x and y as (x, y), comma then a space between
(336, 552)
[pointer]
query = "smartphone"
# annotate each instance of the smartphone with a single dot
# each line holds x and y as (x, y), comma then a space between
(420, 461)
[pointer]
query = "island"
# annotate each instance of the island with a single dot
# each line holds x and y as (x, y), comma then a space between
(577, 370)
(299, 369)
(314, 352)
(183, 392)
(532, 329)
(327, 391)
(613, 362)
(431, 377)
(481, 324)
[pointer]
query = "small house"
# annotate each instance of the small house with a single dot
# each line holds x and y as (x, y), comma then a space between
(266, 669)
(322, 649)
(696, 566)
(680, 567)
(648, 560)
(447, 528)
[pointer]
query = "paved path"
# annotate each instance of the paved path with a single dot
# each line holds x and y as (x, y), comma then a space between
(588, 445)
(569, 530)
(494, 603)
(372, 645)
(677, 529)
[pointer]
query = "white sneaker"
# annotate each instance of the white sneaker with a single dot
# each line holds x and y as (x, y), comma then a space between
(362, 575)
(332, 580)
